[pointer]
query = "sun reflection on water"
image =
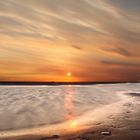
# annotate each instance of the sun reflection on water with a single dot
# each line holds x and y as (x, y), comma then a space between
(69, 103)
(70, 106)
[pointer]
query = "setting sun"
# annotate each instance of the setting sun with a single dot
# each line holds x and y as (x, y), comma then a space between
(68, 74)
(73, 124)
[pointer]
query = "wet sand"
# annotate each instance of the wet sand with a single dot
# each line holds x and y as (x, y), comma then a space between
(122, 124)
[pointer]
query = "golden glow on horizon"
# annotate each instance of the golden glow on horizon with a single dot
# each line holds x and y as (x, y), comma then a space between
(68, 74)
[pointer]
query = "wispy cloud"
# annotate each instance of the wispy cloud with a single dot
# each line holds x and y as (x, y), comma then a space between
(39, 33)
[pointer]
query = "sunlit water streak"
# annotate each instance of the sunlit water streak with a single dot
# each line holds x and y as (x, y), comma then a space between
(69, 102)
(70, 107)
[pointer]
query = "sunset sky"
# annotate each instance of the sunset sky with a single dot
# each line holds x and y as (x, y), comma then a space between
(94, 40)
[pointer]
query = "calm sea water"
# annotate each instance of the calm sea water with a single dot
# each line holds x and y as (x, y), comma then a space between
(30, 106)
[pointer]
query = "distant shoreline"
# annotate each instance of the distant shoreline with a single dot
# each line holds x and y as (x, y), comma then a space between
(59, 83)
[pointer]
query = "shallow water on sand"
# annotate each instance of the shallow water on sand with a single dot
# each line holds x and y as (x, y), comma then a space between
(32, 106)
